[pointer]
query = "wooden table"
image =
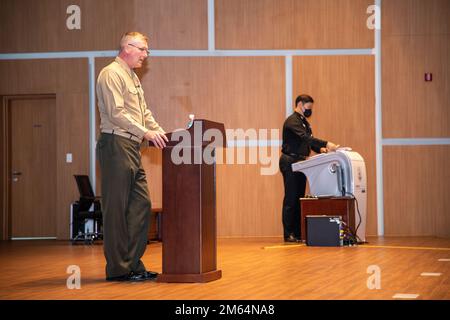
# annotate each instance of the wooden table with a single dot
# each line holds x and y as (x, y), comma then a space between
(339, 206)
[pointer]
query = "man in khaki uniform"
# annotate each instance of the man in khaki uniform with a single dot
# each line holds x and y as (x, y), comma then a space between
(125, 123)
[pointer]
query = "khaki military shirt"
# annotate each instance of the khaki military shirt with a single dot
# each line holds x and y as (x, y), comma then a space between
(121, 101)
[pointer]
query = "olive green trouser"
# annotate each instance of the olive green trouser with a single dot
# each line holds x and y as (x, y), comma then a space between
(125, 204)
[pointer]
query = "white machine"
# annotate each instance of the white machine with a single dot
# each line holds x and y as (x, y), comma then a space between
(338, 174)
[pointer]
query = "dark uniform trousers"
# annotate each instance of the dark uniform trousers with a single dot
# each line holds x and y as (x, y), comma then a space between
(125, 204)
(294, 189)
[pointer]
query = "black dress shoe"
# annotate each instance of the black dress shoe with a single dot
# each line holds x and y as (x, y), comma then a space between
(149, 275)
(132, 277)
(292, 239)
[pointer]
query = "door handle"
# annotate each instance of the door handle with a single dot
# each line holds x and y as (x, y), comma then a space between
(15, 175)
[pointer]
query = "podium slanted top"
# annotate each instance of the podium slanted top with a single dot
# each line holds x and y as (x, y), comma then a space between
(202, 133)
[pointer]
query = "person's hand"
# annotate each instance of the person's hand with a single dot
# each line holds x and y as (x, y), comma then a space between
(158, 138)
(323, 150)
(331, 146)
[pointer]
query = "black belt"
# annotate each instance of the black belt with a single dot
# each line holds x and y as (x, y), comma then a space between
(122, 134)
(295, 156)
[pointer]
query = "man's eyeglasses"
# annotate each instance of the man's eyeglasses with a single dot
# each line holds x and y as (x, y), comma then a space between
(141, 49)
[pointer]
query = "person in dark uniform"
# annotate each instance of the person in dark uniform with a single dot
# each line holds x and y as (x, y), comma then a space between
(297, 144)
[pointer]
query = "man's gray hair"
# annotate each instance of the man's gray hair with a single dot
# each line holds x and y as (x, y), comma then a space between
(130, 36)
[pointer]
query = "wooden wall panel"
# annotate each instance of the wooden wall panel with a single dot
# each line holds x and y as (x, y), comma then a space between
(28, 76)
(344, 109)
(152, 163)
(40, 26)
(173, 24)
(411, 106)
(248, 204)
(416, 189)
(415, 17)
(292, 24)
(68, 79)
(416, 40)
(241, 92)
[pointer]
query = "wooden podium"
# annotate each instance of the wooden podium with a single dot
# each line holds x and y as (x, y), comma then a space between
(189, 205)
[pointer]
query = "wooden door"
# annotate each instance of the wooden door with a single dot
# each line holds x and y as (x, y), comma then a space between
(32, 150)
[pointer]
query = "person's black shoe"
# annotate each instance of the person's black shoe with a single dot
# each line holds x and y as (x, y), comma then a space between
(131, 277)
(149, 275)
(292, 239)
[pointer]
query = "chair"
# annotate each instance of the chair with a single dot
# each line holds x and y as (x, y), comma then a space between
(87, 208)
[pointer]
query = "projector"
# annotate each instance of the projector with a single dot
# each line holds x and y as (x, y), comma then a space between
(338, 174)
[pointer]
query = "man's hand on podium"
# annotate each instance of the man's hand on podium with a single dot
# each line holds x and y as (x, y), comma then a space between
(158, 138)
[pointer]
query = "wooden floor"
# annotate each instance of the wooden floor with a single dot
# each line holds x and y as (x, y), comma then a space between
(262, 268)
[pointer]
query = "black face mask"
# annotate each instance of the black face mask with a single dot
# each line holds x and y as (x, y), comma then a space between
(307, 113)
